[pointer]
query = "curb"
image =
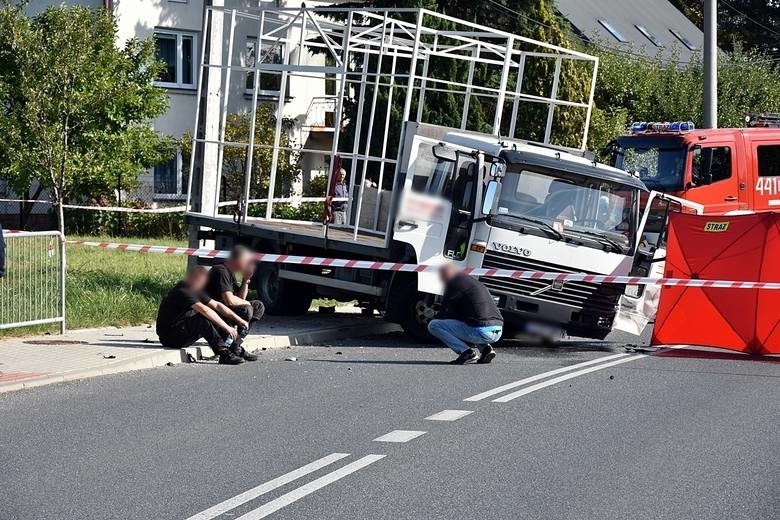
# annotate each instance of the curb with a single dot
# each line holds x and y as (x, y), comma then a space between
(175, 357)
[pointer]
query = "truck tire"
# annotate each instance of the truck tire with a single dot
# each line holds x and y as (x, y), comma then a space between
(282, 297)
(417, 311)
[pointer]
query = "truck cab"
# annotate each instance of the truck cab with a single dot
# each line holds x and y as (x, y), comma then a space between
(727, 170)
(484, 202)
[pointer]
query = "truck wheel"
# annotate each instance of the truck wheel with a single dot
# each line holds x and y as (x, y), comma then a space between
(417, 312)
(282, 297)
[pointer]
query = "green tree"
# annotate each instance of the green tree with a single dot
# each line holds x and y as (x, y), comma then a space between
(75, 110)
(751, 24)
(630, 89)
(234, 159)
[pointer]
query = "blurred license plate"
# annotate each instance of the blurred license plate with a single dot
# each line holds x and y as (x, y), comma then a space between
(543, 329)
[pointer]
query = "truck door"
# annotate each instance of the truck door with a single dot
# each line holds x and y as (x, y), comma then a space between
(638, 305)
(764, 168)
(714, 179)
(437, 205)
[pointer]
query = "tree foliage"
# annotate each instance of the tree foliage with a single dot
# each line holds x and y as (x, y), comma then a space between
(75, 110)
(631, 89)
(234, 159)
(750, 24)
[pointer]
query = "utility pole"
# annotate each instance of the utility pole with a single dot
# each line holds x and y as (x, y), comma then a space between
(710, 98)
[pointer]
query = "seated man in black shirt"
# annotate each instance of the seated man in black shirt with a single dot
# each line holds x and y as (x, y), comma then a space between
(469, 320)
(223, 286)
(186, 314)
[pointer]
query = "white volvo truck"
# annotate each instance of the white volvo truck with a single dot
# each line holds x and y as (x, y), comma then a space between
(431, 194)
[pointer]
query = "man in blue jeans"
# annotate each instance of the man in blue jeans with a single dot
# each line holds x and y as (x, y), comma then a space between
(469, 320)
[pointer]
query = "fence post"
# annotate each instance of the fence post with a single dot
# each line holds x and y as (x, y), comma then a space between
(63, 267)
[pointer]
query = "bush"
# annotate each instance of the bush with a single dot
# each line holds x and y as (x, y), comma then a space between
(307, 212)
(143, 225)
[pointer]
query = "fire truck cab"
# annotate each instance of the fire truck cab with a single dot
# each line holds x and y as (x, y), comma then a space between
(727, 170)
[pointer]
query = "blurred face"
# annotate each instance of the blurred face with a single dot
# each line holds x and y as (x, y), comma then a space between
(341, 176)
(448, 272)
(197, 280)
(243, 261)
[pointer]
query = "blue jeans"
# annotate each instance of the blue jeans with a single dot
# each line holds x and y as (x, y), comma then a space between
(460, 336)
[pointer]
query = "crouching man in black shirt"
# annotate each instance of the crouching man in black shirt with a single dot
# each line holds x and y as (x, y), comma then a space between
(224, 288)
(469, 320)
(186, 314)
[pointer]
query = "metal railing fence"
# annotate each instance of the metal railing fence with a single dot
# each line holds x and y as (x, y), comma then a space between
(32, 292)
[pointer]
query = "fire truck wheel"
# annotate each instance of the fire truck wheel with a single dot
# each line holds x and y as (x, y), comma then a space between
(417, 311)
(282, 297)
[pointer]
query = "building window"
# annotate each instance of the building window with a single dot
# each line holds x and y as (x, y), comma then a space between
(769, 160)
(270, 81)
(650, 36)
(177, 51)
(168, 180)
(613, 31)
(685, 41)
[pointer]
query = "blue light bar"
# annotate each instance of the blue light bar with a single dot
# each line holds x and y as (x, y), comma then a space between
(641, 127)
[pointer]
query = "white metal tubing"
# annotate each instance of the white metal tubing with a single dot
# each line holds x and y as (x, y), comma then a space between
(413, 68)
(516, 102)
(426, 61)
(553, 96)
(197, 112)
(251, 145)
(357, 189)
(465, 115)
(369, 135)
(224, 108)
(502, 88)
(384, 152)
(589, 109)
(339, 104)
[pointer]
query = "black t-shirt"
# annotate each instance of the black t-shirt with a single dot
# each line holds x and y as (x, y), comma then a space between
(221, 279)
(176, 304)
(466, 299)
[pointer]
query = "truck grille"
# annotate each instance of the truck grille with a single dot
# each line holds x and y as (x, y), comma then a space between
(583, 295)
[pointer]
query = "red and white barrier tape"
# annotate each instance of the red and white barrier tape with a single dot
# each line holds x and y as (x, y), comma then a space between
(419, 268)
(176, 209)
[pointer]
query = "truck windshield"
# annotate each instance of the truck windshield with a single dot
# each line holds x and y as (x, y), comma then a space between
(590, 211)
(659, 161)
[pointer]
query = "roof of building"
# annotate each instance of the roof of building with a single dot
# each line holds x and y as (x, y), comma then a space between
(650, 27)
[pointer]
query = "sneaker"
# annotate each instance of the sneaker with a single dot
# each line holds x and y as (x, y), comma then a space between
(467, 356)
(238, 350)
(227, 357)
(487, 355)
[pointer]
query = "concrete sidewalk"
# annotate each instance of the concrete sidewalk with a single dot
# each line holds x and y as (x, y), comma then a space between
(41, 360)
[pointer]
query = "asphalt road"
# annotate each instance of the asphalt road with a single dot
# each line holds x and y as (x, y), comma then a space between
(637, 437)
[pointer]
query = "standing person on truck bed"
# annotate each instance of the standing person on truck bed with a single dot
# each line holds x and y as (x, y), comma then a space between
(469, 320)
(186, 314)
(340, 191)
(223, 286)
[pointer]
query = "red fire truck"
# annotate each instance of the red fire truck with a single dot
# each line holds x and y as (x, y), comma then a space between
(728, 170)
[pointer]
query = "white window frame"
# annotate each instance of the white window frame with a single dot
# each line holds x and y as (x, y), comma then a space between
(260, 92)
(180, 59)
(180, 187)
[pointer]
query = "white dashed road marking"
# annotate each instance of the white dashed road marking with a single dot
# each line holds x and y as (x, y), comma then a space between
(539, 386)
(537, 377)
(399, 436)
(308, 489)
(262, 489)
(449, 415)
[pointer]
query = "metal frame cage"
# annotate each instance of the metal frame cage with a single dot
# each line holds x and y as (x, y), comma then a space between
(386, 66)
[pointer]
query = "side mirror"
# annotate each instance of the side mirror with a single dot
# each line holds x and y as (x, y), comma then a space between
(492, 192)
